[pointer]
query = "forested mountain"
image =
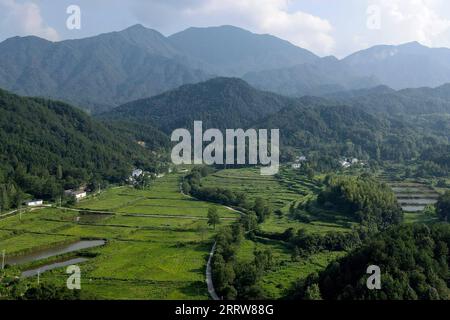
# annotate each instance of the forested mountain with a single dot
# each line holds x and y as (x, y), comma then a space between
(410, 65)
(321, 77)
(231, 51)
(384, 100)
(46, 146)
(310, 124)
(219, 103)
(95, 73)
(414, 263)
(344, 130)
(104, 71)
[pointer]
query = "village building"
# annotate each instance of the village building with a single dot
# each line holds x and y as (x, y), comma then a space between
(137, 173)
(34, 203)
(79, 194)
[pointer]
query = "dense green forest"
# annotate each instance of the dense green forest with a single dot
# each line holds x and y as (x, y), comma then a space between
(223, 103)
(414, 262)
(323, 129)
(370, 202)
(48, 146)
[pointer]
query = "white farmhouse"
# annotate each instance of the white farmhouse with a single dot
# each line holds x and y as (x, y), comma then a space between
(80, 194)
(34, 203)
(296, 166)
(137, 173)
(345, 164)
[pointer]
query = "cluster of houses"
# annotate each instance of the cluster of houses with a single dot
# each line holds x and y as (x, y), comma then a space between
(350, 162)
(298, 162)
(78, 194)
(137, 173)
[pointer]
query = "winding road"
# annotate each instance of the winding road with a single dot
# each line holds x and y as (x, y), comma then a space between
(209, 281)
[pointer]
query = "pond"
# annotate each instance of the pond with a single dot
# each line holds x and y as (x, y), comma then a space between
(54, 251)
(51, 266)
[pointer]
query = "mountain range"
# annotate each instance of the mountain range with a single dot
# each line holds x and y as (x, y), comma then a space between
(356, 124)
(108, 70)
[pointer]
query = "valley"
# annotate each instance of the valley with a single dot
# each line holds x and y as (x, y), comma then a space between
(156, 242)
(93, 172)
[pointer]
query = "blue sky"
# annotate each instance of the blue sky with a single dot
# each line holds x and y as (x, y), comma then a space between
(326, 27)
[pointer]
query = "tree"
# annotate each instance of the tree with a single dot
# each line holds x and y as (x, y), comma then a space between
(213, 217)
(262, 209)
(443, 207)
(186, 187)
(201, 229)
(250, 221)
(313, 292)
(4, 199)
(59, 172)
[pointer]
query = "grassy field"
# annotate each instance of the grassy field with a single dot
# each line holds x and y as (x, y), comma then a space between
(281, 191)
(157, 241)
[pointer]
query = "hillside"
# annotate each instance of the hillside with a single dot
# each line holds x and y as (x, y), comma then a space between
(326, 126)
(337, 130)
(413, 101)
(413, 260)
(46, 146)
(321, 77)
(410, 65)
(220, 103)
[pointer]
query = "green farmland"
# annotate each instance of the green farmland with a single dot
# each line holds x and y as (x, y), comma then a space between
(157, 241)
(281, 191)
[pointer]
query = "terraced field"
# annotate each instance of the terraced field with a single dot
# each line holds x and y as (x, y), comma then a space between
(414, 197)
(157, 242)
(281, 191)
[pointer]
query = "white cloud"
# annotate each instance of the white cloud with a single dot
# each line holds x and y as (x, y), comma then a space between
(24, 18)
(408, 20)
(260, 16)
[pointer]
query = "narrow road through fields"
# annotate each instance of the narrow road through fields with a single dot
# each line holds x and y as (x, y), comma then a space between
(209, 281)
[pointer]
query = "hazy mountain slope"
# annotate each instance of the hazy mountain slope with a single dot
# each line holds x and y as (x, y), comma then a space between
(405, 102)
(231, 51)
(321, 77)
(405, 66)
(37, 137)
(98, 72)
(219, 103)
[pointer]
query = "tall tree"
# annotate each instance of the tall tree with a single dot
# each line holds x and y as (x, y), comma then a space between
(213, 217)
